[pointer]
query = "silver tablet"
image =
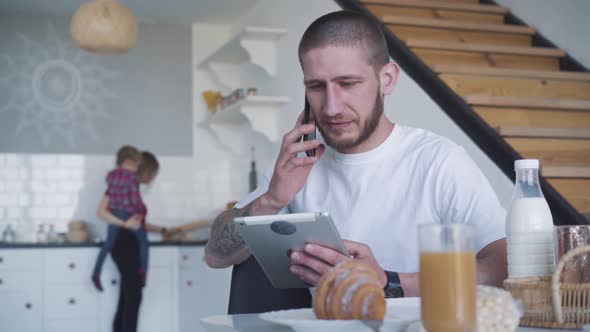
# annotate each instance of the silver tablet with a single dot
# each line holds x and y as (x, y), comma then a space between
(272, 239)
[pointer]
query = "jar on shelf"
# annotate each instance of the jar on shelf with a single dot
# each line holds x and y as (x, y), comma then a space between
(252, 92)
(41, 235)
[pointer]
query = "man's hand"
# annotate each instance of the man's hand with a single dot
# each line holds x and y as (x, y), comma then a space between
(226, 246)
(315, 260)
(291, 171)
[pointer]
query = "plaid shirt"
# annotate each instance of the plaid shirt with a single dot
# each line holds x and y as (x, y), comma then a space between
(123, 192)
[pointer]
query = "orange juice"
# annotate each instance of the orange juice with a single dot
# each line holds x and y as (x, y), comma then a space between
(447, 287)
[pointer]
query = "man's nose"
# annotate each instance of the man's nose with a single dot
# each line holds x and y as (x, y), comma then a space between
(333, 105)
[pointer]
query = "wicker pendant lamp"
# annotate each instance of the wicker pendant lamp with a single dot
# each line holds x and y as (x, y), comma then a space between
(104, 26)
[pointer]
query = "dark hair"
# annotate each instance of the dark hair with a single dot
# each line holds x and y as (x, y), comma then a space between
(347, 28)
(149, 164)
(127, 152)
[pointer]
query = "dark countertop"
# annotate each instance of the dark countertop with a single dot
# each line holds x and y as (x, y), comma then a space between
(33, 245)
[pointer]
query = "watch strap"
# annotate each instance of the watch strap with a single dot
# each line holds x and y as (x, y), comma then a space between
(393, 287)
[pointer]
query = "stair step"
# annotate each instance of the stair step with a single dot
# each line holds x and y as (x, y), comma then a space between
(553, 152)
(465, 85)
(559, 104)
(486, 48)
(457, 31)
(566, 172)
(441, 57)
(441, 14)
(531, 117)
(458, 25)
(508, 72)
(575, 191)
(564, 133)
(445, 53)
(466, 7)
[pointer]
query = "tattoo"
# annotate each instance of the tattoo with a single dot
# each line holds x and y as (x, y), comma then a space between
(225, 240)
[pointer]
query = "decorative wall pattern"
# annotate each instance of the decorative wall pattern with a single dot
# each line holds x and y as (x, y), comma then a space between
(57, 98)
(55, 89)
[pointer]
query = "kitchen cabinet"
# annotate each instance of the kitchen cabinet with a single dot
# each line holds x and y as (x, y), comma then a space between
(202, 291)
(159, 296)
(47, 290)
(21, 297)
(70, 325)
(21, 310)
(67, 266)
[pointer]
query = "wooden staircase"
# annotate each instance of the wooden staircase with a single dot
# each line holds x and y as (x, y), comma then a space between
(517, 88)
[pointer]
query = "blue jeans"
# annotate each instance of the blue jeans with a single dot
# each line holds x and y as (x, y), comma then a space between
(112, 232)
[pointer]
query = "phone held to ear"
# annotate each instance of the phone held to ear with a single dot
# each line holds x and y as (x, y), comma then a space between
(311, 136)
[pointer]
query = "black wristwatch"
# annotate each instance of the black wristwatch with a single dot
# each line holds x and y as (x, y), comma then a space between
(393, 287)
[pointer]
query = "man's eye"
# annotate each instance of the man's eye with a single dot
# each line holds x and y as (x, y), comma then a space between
(347, 84)
(314, 87)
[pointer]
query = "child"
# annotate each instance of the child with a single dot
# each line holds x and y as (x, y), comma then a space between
(124, 201)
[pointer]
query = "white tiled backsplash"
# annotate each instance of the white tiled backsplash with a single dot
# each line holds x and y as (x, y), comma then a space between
(55, 189)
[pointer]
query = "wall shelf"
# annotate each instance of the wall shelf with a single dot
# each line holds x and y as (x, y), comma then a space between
(263, 113)
(257, 45)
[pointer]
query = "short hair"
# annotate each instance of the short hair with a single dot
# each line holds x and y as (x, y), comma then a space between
(127, 152)
(149, 165)
(347, 28)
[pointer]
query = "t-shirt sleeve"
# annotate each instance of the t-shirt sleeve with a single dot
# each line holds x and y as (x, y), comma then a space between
(464, 195)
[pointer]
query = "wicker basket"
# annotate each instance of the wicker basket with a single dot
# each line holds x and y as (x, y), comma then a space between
(550, 304)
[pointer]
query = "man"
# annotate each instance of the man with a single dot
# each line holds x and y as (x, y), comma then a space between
(379, 180)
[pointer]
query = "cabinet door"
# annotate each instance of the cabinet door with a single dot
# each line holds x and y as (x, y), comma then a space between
(71, 325)
(203, 291)
(21, 259)
(21, 310)
(71, 302)
(156, 311)
(189, 295)
(72, 265)
(21, 292)
(191, 257)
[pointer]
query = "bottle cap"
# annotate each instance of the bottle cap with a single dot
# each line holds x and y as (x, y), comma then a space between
(526, 163)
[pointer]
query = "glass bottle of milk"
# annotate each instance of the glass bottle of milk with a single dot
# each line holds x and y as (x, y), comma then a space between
(529, 225)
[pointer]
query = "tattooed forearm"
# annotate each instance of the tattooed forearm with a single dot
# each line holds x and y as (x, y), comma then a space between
(225, 244)
(225, 239)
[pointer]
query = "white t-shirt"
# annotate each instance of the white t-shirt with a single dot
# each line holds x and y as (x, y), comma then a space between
(380, 196)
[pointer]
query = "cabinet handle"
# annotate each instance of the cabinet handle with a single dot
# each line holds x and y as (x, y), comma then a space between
(72, 301)
(28, 305)
(72, 266)
(114, 282)
(1, 281)
(1, 259)
(185, 257)
(189, 283)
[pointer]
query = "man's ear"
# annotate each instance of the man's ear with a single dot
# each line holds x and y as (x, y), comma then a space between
(388, 77)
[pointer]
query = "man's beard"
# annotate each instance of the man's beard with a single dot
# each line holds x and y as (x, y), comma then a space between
(366, 131)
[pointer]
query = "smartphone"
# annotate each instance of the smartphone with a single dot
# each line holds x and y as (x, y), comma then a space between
(306, 119)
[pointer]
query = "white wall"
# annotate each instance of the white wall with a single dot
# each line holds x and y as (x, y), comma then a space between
(564, 22)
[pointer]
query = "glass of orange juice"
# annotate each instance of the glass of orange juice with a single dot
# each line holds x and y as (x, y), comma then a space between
(447, 278)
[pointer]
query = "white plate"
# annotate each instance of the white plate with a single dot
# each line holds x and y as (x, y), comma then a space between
(401, 315)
